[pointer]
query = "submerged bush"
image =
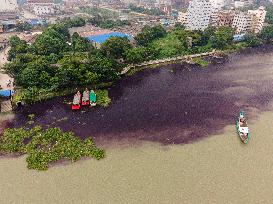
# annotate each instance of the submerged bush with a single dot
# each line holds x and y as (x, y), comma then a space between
(46, 146)
(103, 98)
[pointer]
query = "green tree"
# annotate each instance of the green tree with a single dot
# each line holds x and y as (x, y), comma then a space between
(80, 44)
(50, 41)
(269, 14)
(116, 47)
(253, 40)
(267, 33)
(148, 34)
(25, 26)
(136, 55)
(17, 46)
(36, 74)
(222, 37)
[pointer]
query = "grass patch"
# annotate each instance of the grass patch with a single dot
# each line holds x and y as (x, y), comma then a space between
(47, 146)
(103, 98)
(200, 61)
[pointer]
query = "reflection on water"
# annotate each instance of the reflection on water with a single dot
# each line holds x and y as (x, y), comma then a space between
(174, 104)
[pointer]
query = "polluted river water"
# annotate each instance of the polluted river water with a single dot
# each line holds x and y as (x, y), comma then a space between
(144, 131)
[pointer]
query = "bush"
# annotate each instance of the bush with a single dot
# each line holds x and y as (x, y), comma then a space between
(47, 146)
(103, 98)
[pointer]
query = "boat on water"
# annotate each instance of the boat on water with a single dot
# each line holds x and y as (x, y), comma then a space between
(242, 128)
(76, 105)
(93, 98)
(86, 98)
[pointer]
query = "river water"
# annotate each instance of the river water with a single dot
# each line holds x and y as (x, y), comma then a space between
(158, 107)
(172, 105)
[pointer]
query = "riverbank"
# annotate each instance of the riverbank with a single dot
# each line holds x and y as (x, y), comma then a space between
(219, 169)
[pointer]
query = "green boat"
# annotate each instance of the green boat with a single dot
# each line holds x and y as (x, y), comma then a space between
(93, 98)
(242, 128)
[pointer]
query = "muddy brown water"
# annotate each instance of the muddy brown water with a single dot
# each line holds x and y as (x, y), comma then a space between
(171, 105)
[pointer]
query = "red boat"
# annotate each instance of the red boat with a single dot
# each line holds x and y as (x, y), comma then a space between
(76, 105)
(85, 98)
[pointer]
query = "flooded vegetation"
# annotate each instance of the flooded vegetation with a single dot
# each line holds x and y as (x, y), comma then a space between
(172, 105)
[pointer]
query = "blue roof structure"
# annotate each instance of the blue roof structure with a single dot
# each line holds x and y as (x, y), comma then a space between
(6, 93)
(103, 37)
(239, 37)
(34, 22)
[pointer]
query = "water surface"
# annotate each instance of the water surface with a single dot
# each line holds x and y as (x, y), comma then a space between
(173, 104)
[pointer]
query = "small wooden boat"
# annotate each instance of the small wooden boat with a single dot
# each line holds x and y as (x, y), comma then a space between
(242, 128)
(86, 98)
(93, 98)
(76, 105)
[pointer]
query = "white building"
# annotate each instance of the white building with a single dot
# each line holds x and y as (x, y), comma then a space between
(258, 17)
(242, 22)
(8, 5)
(182, 18)
(199, 12)
(43, 9)
(217, 3)
(239, 4)
(251, 21)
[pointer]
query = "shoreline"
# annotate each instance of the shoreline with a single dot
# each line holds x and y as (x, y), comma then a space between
(225, 54)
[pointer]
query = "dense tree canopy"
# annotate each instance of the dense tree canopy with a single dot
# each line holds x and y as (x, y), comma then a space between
(17, 47)
(116, 47)
(57, 60)
(223, 37)
(148, 34)
(267, 33)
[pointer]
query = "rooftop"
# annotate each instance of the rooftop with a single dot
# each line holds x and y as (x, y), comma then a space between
(103, 37)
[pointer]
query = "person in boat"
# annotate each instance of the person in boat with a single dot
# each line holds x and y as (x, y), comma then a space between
(77, 98)
(86, 95)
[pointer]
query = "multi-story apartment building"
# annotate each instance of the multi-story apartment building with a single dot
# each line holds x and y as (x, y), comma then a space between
(251, 21)
(182, 18)
(77, 3)
(199, 13)
(42, 7)
(258, 17)
(8, 5)
(222, 18)
(242, 22)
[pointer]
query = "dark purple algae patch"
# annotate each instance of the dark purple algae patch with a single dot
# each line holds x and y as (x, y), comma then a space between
(173, 104)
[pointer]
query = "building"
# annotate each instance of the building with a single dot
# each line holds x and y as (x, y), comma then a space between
(42, 7)
(242, 22)
(222, 18)
(258, 17)
(182, 18)
(8, 5)
(251, 21)
(199, 12)
(77, 3)
(97, 40)
(8, 20)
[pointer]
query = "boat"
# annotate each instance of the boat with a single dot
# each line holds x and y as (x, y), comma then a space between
(76, 105)
(86, 98)
(242, 128)
(93, 98)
